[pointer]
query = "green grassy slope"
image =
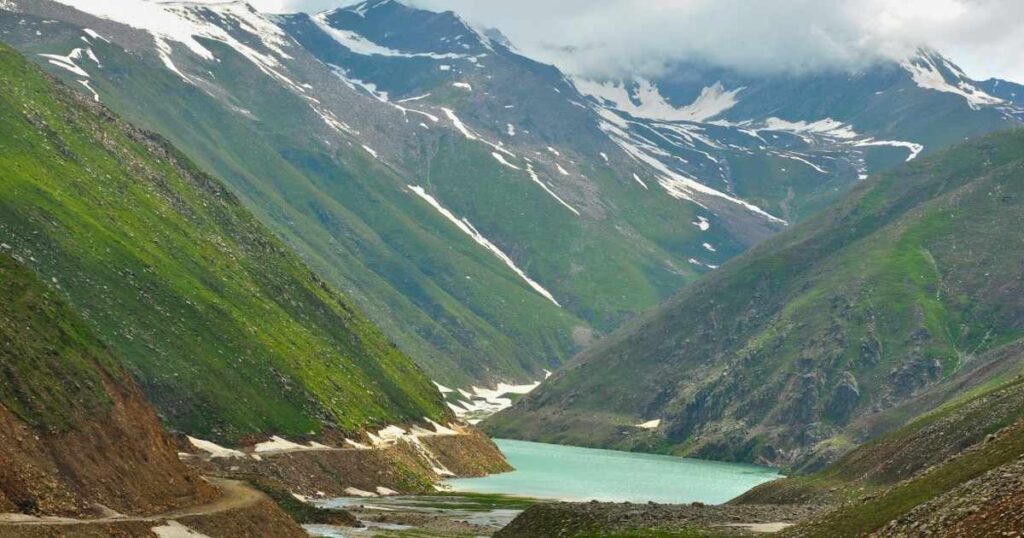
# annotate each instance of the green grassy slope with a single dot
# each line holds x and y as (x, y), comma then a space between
(228, 332)
(899, 286)
(53, 368)
(443, 299)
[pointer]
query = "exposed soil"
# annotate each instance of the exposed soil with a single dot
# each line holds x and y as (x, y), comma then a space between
(121, 461)
(238, 511)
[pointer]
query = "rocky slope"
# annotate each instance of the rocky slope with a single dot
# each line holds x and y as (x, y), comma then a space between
(903, 284)
(75, 431)
(226, 330)
(489, 213)
(939, 499)
(590, 520)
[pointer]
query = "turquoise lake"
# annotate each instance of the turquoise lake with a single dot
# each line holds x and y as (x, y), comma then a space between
(582, 474)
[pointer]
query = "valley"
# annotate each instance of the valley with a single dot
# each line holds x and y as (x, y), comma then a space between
(378, 269)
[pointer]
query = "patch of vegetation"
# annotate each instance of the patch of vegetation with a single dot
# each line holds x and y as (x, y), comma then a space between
(52, 369)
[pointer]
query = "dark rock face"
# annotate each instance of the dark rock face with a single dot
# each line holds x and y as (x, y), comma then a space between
(845, 398)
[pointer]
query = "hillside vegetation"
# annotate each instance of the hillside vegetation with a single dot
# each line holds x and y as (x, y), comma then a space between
(226, 330)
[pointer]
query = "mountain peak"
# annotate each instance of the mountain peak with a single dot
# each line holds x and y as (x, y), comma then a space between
(396, 25)
(932, 71)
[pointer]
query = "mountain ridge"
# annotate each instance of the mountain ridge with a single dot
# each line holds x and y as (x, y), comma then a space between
(797, 315)
(344, 112)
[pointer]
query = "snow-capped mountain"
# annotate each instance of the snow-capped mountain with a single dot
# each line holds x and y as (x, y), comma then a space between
(491, 213)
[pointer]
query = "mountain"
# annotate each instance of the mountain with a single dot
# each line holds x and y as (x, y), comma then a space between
(911, 279)
(793, 142)
(491, 214)
(228, 333)
(64, 399)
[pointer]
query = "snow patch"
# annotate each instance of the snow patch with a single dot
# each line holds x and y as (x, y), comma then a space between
(173, 529)
(536, 179)
(356, 445)
(68, 62)
(827, 126)
(370, 151)
(646, 101)
(674, 183)
(280, 444)
(94, 35)
(95, 96)
(364, 47)
(483, 402)
(467, 228)
(458, 123)
(183, 22)
(913, 148)
(926, 74)
(650, 424)
(501, 159)
(215, 450)
(463, 86)
(356, 492)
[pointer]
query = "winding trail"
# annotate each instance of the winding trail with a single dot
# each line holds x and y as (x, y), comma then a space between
(235, 495)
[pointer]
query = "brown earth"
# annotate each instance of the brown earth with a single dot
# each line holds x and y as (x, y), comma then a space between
(121, 460)
(471, 454)
(238, 512)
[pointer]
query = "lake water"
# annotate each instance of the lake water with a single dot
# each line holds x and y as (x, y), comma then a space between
(582, 474)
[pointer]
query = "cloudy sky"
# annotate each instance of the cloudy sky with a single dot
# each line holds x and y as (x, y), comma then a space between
(610, 37)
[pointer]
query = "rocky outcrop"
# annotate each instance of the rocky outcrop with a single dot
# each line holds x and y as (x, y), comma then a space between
(467, 455)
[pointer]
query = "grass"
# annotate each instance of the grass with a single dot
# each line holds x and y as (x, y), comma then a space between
(52, 368)
(228, 332)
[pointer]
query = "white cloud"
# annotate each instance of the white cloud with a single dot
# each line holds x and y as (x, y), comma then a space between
(609, 35)
(615, 36)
